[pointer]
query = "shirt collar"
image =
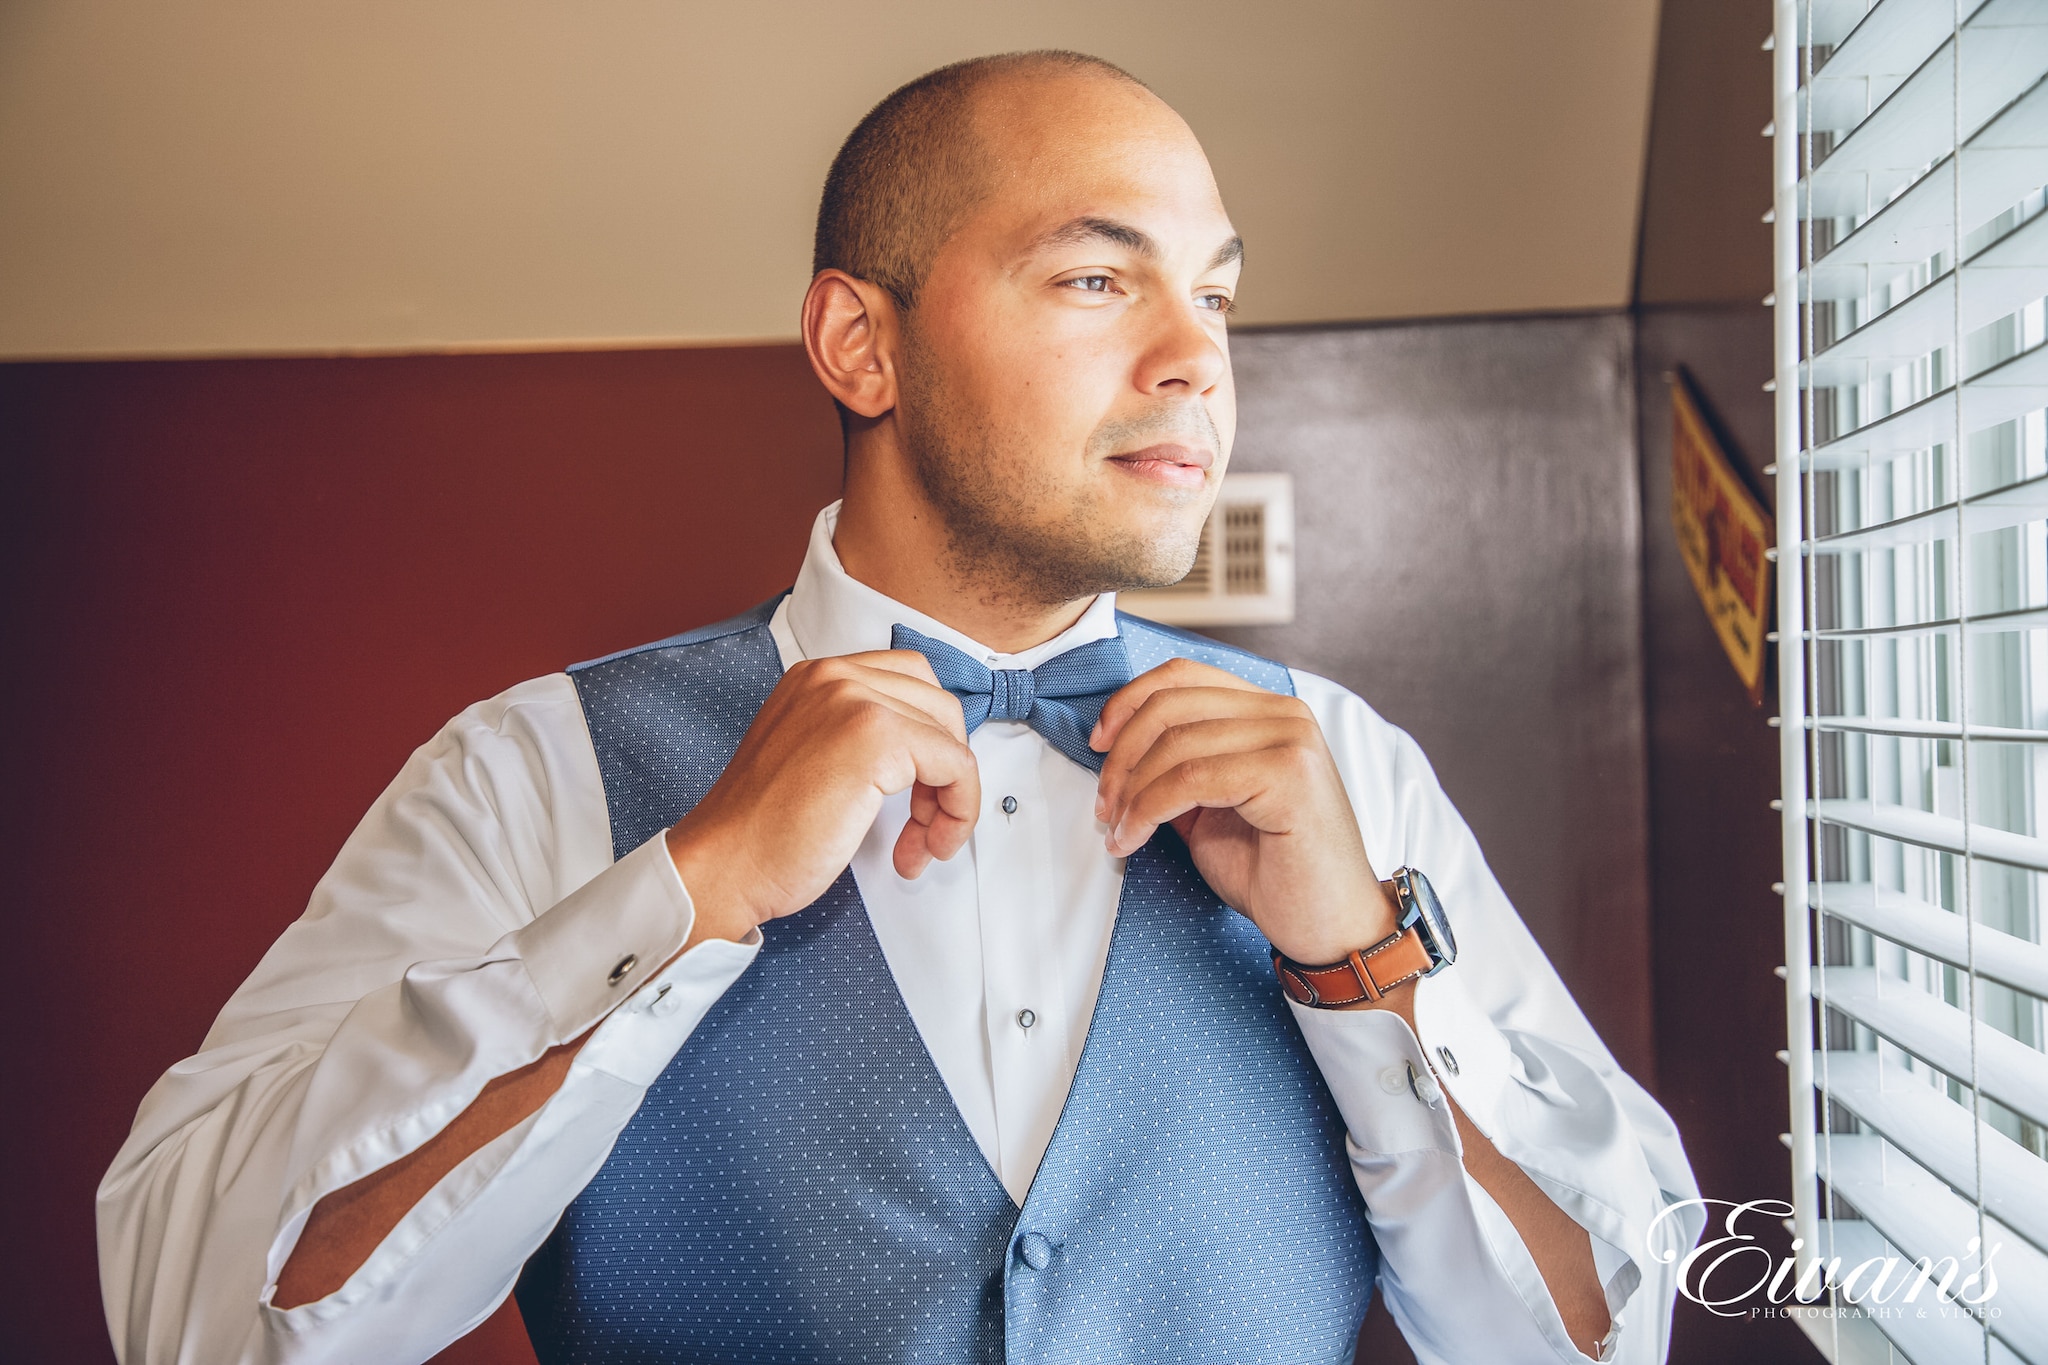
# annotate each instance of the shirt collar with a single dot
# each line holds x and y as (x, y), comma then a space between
(829, 613)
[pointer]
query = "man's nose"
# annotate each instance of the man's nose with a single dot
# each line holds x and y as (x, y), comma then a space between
(1182, 355)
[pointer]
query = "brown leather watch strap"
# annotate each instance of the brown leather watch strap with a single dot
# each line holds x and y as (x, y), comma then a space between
(1366, 974)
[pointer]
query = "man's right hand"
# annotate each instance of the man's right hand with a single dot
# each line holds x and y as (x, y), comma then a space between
(834, 738)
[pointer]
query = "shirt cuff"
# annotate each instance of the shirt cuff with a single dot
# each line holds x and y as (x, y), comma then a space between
(1373, 1062)
(640, 1038)
(1374, 1067)
(599, 946)
(1460, 1042)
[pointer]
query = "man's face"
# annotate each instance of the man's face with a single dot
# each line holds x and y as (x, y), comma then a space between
(1064, 386)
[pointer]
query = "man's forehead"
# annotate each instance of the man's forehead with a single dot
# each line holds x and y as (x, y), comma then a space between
(1079, 159)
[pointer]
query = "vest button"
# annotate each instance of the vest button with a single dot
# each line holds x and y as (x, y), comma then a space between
(1036, 1249)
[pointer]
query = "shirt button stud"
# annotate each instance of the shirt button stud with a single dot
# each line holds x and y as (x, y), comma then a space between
(1009, 805)
(1026, 1018)
(1036, 1250)
(1449, 1059)
(666, 1002)
(625, 965)
(1394, 1079)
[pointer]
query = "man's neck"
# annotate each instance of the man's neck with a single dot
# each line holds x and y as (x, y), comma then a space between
(897, 545)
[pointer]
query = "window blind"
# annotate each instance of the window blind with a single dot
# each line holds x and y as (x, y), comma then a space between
(1911, 232)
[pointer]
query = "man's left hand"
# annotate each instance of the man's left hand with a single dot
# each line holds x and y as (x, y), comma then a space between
(1246, 778)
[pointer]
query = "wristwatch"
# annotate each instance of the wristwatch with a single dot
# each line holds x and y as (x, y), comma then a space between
(1421, 946)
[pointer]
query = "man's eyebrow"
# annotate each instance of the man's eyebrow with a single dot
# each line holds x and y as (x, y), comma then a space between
(1078, 230)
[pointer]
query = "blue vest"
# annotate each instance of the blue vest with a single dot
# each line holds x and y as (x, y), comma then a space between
(799, 1187)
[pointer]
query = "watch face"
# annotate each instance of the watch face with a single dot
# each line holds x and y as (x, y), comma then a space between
(1430, 911)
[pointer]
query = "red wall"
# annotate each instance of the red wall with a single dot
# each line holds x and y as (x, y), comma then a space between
(237, 594)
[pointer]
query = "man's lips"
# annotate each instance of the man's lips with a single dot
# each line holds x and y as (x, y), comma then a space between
(1176, 466)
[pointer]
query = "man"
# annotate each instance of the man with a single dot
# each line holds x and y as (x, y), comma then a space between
(798, 989)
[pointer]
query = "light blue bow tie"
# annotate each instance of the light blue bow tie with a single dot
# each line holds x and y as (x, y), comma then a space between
(1061, 698)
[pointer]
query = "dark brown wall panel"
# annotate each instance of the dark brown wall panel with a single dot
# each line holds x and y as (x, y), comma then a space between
(1707, 180)
(1717, 929)
(1703, 265)
(1467, 560)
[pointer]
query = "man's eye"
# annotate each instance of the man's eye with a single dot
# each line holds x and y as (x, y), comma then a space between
(1215, 303)
(1094, 284)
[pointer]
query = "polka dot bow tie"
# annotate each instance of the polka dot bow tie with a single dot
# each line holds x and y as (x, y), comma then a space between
(1061, 698)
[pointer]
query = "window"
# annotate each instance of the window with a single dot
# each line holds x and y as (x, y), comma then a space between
(1912, 397)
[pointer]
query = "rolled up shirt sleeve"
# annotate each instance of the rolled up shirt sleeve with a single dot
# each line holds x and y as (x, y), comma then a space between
(1499, 1032)
(473, 920)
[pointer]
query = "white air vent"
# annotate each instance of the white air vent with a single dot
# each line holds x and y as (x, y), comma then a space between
(1244, 571)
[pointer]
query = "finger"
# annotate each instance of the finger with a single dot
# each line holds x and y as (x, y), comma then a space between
(904, 745)
(912, 855)
(907, 676)
(1225, 782)
(931, 700)
(926, 811)
(1125, 701)
(946, 765)
(860, 697)
(907, 662)
(1177, 744)
(1178, 706)
(941, 820)
(937, 835)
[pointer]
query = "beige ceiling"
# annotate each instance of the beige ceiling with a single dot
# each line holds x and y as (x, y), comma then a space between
(218, 177)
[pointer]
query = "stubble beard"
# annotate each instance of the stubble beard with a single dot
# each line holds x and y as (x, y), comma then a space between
(992, 494)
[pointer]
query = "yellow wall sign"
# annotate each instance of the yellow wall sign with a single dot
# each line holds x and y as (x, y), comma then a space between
(1722, 534)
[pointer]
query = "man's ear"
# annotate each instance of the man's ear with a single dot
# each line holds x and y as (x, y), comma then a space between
(850, 333)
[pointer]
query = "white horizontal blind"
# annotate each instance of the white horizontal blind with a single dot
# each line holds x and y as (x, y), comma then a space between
(1912, 244)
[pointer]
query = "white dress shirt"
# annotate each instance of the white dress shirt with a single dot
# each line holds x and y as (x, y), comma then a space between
(474, 919)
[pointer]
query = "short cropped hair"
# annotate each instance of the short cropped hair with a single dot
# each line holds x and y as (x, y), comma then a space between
(911, 171)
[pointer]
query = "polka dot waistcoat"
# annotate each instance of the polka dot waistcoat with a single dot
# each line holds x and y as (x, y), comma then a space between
(798, 1186)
